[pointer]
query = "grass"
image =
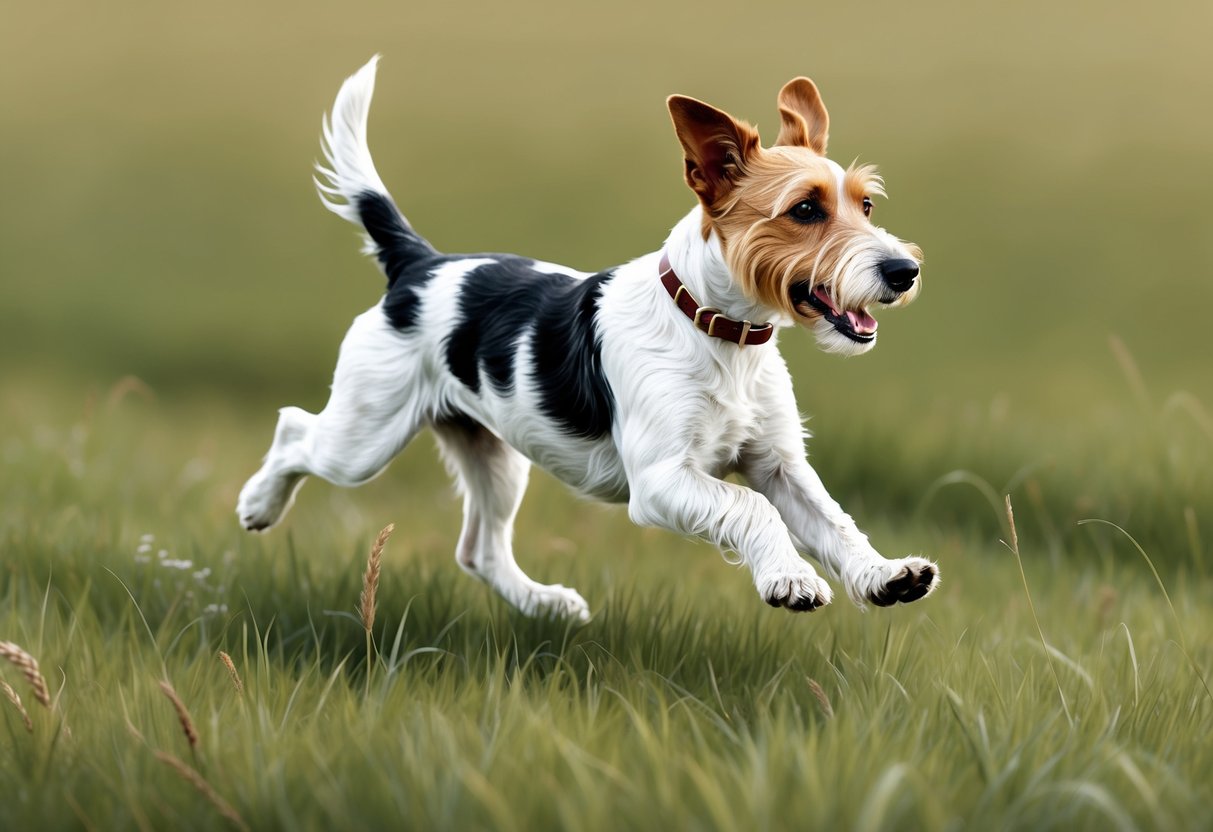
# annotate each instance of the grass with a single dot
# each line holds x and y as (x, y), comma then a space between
(686, 702)
(167, 280)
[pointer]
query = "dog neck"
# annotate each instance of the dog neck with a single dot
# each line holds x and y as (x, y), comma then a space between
(701, 266)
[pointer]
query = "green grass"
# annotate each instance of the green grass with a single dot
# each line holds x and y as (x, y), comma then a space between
(159, 224)
(686, 702)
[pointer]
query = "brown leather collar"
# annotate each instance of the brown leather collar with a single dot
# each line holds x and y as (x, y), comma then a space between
(708, 318)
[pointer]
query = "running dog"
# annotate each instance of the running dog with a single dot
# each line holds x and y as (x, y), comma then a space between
(645, 384)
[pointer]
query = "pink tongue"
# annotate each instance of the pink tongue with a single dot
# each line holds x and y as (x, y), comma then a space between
(862, 322)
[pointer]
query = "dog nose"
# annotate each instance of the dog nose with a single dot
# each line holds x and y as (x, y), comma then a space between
(899, 274)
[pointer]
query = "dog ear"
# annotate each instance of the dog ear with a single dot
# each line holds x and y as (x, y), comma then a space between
(715, 144)
(805, 120)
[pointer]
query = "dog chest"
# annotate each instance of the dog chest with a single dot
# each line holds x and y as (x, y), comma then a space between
(728, 421)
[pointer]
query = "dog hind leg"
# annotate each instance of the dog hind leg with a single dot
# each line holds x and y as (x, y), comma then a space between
(271, 491)
(375, 408)
(493, 477)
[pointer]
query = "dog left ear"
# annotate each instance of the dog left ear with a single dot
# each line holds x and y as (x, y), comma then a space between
(805, 120)
(716, 146)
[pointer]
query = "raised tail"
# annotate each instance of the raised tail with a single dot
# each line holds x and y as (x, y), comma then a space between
(350, 186)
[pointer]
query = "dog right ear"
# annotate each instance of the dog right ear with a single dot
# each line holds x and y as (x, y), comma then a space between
(716, 145)
(805, 121)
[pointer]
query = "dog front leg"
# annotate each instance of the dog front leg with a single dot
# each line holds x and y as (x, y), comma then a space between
(677, 496)
(818, 522)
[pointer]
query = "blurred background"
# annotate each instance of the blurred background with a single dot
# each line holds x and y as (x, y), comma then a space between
(159, 224)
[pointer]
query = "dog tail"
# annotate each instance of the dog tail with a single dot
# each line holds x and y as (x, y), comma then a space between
(350, 187)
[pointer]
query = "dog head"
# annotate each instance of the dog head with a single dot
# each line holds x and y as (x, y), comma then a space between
(795, 227)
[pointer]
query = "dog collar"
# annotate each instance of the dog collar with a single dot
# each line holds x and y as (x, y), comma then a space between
(709, 319)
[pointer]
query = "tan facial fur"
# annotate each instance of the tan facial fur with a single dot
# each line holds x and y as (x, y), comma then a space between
(748, 193)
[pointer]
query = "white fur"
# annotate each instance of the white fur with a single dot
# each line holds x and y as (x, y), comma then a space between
(689, 409)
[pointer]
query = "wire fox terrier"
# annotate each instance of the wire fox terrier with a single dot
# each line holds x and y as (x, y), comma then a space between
(647, 383)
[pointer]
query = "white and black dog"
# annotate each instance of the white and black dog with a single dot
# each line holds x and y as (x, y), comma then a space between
(647, 384)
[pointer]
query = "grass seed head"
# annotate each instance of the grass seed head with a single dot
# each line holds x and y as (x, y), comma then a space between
(824, 701)
(16, 700)
(28, 666)
(370, 579)
(231, 669)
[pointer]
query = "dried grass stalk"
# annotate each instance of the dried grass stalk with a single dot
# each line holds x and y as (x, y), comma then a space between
(28, 666)
(822, 700)
(183, 715)
(16, 700)
(195, 779)
(370, 579)
(231, 669)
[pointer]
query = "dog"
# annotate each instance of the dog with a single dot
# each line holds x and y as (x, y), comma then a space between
(646, 384)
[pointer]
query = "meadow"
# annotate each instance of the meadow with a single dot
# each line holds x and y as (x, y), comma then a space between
(686, 702)
(167, 280)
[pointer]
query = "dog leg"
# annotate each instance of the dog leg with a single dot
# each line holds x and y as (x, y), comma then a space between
(271, 491)
(493, 477)
(681, 498)
(375, 408)
(824, 529)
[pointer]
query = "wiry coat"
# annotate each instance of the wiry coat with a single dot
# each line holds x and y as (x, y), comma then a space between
(600, 379)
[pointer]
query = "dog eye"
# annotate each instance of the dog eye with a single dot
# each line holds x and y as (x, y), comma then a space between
(867, 206)
(807, 212)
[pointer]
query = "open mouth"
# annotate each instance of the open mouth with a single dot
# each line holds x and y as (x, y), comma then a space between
(856, 324)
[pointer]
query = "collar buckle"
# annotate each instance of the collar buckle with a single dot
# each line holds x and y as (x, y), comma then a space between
(741, 333)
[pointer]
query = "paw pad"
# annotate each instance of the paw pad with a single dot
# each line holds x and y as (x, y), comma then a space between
(912, 582)
(798, 592)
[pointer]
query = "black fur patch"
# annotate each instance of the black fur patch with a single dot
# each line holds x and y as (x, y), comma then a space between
(406, 258)
(568, 361)
(498, 302)
(462, 425)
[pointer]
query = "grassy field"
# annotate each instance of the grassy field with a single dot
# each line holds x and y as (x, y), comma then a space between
(685, 703)
(167, 280)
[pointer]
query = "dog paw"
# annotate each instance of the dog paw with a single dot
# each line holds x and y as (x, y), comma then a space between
(263, 502)
(905, 580)
(795, 587)
(556, 601)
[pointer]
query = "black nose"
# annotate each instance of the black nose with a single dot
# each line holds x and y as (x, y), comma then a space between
(899, 274)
